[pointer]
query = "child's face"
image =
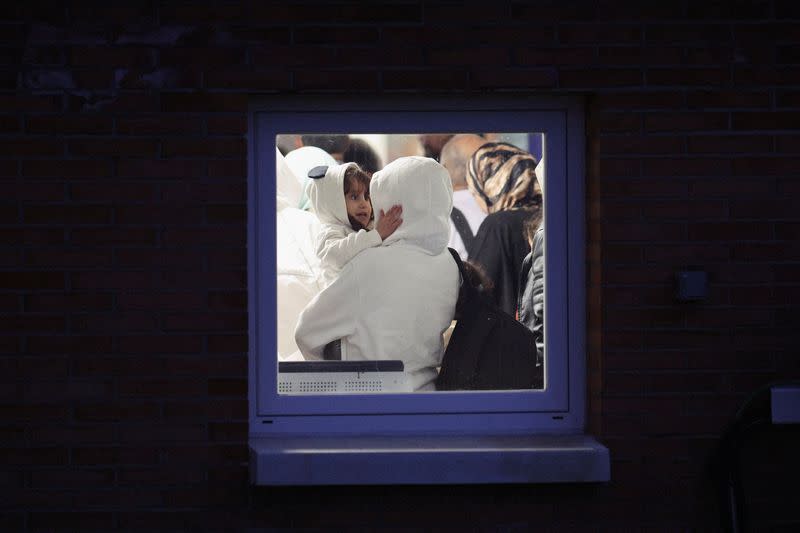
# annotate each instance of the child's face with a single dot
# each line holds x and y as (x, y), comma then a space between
(359, 208)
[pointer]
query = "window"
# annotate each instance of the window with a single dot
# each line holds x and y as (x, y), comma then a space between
(303, 397)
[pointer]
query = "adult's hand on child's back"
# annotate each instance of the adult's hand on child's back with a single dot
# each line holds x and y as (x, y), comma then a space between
(389, 221)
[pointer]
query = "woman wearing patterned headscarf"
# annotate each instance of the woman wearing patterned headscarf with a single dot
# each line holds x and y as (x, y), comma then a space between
(502, 179)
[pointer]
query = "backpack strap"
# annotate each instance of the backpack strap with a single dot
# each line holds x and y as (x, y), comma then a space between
(466, 288)
(462, 226)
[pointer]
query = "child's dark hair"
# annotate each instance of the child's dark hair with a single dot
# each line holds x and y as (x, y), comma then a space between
(354, 179)
(477, 278)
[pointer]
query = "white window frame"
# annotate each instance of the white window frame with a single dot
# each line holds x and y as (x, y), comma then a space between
(558, 410)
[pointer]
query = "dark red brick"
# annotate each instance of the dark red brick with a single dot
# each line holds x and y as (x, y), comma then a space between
(636, 99)
(30, 147)
(157, 168)
(226, 214)
(766, 166)
(336, 80)
(66, 214)
(116, 411)
(72, 301)
(556, 56)
(114, 147)
(69, 124)
(767, 75)
(227, 343)
(227, 387)
(159, 214)
(38, 456)
(227, 168)
(601, 78)
(31, 280)
(161, 300)
(205, 322)
(159, 344)
(67, 257)
(686, 167)
(102, 191)
(219, 366)
(688, 33)
(210, 57)
(158, 258)
(188, 191)
(111, 235)
(207, 102)
(294, 55)
(733, 144)
(636, 188)
(66, 168)
(688, 77)
(649, 145)
(203, 148)
(766, 120)
(44, 520)
(159, 125)
(728, 98)
(130, 321)
(227, 125)
(161, 388)
(685, 122)
(103, 366)
(638, 55)
(599, 34)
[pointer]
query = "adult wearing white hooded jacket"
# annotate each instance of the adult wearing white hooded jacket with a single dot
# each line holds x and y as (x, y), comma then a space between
(394, 301)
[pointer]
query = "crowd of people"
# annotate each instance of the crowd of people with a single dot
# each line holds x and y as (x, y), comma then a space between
(363, 266)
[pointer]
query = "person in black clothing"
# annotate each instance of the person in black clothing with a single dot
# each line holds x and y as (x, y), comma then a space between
(503, 180)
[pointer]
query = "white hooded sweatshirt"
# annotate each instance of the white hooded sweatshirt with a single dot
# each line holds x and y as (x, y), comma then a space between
(394, 301)
(337, 242)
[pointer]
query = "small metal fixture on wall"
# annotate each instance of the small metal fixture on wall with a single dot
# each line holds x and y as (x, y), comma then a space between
(691, 284)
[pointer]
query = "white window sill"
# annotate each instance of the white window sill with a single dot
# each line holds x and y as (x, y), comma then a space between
(430, 459)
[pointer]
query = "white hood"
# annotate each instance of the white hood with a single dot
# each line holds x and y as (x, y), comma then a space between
(302, 160)
(287, 188)
(327, 196)
(423, 187)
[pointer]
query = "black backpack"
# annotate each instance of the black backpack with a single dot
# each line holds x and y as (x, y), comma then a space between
(489, 349)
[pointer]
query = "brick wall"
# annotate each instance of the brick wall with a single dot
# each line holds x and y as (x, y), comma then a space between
(123, 394)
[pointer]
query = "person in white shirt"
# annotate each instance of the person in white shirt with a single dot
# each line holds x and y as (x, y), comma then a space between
(394, 301)
(455, 156)
(339, 196)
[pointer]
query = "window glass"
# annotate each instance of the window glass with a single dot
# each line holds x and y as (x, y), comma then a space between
(358, 333)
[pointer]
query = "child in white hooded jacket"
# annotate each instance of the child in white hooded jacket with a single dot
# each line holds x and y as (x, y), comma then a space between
(339, 196)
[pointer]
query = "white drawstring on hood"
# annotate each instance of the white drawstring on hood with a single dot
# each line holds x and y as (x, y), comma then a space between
(423, 187)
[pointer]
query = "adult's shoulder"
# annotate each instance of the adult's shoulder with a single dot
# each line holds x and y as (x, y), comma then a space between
(501, 221)
(509, 216)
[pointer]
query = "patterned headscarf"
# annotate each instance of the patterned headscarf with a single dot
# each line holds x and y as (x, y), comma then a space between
(502, 176)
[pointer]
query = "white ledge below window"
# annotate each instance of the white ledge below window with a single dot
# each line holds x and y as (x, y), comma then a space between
(429, 459)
